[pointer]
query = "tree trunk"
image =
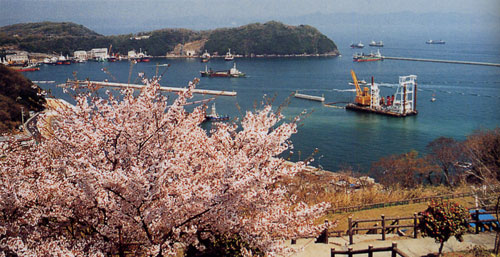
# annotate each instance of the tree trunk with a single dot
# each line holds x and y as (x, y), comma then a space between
(441, 248)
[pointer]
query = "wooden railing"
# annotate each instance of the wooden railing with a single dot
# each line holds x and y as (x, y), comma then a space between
(350, 252)
(395, 203)
(392, 224)
(387, 225)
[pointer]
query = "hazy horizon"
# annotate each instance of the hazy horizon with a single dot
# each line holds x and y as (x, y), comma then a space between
(340, 20)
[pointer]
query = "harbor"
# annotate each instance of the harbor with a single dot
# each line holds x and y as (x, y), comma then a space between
(461, 92)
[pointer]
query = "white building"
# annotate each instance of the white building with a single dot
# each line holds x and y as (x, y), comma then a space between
(99, 53)
(20, 57)
(132, 54)
(80, 55)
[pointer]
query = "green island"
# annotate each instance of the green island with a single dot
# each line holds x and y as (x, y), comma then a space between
(270, 38)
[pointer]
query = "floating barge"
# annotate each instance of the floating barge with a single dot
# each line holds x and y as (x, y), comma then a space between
(309, 97)
(354, 107)
(403, 103)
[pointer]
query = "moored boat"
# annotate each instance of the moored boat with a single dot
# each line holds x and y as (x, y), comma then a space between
(229, 56)
(205, 57)
(213, 116)
(31, 67)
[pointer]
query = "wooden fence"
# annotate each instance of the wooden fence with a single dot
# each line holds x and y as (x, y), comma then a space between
(392, 224)
(350, 252)
(387, 225)
(395, 203)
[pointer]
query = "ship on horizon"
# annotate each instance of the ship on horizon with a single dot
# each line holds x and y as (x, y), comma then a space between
(358, 45)
(435, 42)
(377, 44)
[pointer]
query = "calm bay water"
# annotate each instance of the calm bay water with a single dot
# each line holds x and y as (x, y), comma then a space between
(468, 97)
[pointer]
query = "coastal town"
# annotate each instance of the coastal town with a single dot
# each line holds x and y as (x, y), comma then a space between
(19, 59)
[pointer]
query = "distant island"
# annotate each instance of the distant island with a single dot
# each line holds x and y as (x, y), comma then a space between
(270, 38)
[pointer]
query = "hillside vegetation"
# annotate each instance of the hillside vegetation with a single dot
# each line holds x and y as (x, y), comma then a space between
(268, 38)
(15, 92)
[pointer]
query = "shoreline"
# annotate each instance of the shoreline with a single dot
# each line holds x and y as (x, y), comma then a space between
(254, 56)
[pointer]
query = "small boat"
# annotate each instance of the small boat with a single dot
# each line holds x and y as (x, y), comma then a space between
(140, 57)
(433, 99)
(63, 60)
(213, 116)
(435, 42)
(232, 73)
(358, 45)
(367, 57)
(229, 56)
(360, 82)
(51, 61)
(205, 57)
(377, 44)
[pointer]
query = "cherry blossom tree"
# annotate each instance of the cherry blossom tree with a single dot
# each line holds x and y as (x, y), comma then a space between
(134, 175)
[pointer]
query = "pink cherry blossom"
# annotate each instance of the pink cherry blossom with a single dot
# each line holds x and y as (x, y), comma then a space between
(134, 174)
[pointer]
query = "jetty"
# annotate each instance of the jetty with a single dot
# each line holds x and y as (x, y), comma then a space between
(139, 87)
(441, 61)
(310, 97)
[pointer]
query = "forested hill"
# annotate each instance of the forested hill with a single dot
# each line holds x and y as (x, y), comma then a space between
(16, 92)
(267, 38)
(270, 38)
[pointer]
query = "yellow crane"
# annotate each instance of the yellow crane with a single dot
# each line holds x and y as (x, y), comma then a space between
(362, 96)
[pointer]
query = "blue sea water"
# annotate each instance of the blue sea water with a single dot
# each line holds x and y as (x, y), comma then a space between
(468, 96)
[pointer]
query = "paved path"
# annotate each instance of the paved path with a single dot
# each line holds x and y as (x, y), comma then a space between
(412, 247)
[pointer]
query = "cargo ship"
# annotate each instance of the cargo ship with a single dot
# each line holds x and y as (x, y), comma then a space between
(367, 57)
(31, 67)
(358, 45)
(377, 44)
(435, 42)
(403, 103)
(232, 73)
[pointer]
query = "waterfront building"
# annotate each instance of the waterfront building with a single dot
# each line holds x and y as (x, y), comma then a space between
(99, 54)
(80, 55)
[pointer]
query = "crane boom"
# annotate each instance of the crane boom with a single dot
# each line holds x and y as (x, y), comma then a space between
(356, 84)
(362, 96)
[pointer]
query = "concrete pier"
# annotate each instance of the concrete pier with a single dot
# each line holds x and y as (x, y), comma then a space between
(441, 61)
(167, 89)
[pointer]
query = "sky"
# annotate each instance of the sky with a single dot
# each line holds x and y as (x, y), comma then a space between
(127, 16)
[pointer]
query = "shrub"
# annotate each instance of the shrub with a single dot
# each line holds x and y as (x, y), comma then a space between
(442, 220)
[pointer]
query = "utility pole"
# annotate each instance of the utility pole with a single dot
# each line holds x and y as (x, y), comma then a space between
(22, 116)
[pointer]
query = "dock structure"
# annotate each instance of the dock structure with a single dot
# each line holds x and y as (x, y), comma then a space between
(310, 97)
(441, 61)
(138, 87)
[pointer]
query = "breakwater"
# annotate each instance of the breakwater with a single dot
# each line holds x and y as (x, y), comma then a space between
(440, 61)
(167, 89)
